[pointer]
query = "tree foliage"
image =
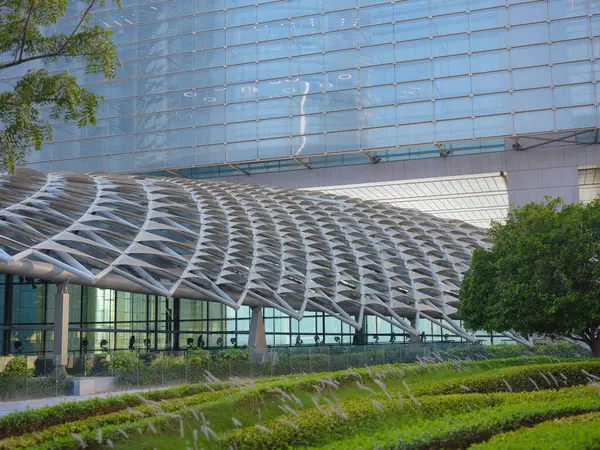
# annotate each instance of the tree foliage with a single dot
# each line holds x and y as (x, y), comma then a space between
(541, 275)
(28, 39)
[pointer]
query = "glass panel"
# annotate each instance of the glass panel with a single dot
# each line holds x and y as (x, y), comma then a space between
(531, 78)
(582, 117)
(416, 91)
(455, 108)
(580, 94)
(415, 112)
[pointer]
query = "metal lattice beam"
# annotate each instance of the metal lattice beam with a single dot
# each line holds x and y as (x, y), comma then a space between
(237, 245)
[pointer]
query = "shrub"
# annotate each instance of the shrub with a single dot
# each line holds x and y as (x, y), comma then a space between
(518, 378)
(561, 348)
(121, 362)
(20, 422)
(17, 367)
(462, 430)
(17, 383)
(198, 357)
(28, 421)
(313, 427)
(582, 431)
(120, 418)
(234, 355)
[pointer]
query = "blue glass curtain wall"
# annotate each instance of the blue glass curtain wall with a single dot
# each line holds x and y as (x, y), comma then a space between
(230, 81)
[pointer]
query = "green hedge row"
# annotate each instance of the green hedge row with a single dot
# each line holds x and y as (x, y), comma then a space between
(21, 422)
(119, 418)
(506, 351)
(575, 432)
(15, 388)
(516, 378)
(314, 427)
(249, 399)
(18, 423)
(62, 439)
(460, 431)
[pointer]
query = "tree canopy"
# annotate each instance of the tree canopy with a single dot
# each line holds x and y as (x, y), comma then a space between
(541, 275)
(33, 36)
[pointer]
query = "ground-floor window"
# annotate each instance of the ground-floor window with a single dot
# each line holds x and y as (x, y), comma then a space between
(116, 320)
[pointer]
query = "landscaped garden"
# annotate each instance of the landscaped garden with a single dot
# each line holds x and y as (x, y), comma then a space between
(22, 379)
(438, 402)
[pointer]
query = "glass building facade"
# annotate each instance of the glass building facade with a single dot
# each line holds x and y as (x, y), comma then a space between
(212, 86)
(208, 83)
(158, 323)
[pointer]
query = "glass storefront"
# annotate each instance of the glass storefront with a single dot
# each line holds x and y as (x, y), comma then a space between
(116, 320)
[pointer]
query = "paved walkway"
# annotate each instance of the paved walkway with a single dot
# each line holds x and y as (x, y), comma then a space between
(22, 405)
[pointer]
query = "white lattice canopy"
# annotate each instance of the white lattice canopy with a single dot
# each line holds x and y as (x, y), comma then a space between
(237, 244)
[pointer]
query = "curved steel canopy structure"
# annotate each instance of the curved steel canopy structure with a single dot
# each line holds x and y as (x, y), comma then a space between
(236, 244)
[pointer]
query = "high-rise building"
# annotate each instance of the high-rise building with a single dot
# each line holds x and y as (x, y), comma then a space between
(455, 107)
(212, 84)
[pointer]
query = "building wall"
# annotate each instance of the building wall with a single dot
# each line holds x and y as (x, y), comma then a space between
(531, 174)
(226, 81)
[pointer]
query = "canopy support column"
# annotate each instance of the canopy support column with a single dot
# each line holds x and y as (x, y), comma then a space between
(61, 327)
(414, 323)
(257, 339)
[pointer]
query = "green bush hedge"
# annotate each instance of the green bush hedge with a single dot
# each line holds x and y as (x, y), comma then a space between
(17, 382)
(21, 422)
(558, 348)
(575, 432)
(26, 421)
(517, 378)
(314, 427)
(462, 430)
(120, 418)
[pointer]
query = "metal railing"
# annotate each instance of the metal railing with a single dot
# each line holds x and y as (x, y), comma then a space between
(24, 378)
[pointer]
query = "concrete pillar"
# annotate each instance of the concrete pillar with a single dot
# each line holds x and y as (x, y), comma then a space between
(414, 323)
(61, 326)
(257, 338)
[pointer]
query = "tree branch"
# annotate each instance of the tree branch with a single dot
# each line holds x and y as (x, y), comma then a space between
(25, 31)
(31, 58)
(22, 60)
(83, 16)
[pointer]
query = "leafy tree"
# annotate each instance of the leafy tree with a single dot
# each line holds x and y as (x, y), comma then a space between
(27, 40)
(541, 275)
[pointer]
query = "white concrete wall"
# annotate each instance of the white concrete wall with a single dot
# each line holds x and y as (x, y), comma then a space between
(532, 174)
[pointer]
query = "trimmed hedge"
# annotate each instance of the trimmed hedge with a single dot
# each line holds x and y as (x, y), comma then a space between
(576, 432)
(314, 427)
(107, 409)
(460, 431)
(21, 422)
(162, 423)
(558, 348)
(117, 419)
(525, 378)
